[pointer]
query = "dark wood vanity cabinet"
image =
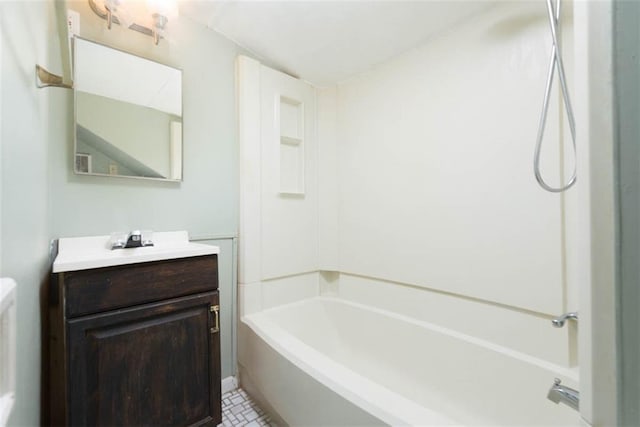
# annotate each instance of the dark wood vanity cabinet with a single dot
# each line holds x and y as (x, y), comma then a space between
(136, 345)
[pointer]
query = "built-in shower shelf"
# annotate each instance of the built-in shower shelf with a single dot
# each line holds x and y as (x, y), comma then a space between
(290, 140)
(290, 115)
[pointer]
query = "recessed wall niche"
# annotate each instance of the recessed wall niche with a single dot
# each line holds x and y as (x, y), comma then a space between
(291, 146)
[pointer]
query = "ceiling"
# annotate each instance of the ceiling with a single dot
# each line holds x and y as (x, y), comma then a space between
(326, 42)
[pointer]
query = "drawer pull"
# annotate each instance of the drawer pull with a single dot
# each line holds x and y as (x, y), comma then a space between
(215, 309)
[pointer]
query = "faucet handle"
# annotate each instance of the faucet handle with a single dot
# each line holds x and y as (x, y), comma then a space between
(559, 321)
(557, 381)
(133, 239)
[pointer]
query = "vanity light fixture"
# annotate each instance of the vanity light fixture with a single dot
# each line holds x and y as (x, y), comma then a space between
(148, 17)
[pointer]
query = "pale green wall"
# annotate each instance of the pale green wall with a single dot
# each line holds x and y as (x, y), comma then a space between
(627, 104)
(205, 203)
(42, 198)
(226, 277)
(28, 117)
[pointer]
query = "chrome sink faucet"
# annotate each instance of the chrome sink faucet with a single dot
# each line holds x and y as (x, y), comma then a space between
(559, 393)
(134, 239)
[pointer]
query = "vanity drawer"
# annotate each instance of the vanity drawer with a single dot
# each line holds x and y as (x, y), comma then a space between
(102, 289)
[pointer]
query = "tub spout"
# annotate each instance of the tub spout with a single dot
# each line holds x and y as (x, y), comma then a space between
(562, 394)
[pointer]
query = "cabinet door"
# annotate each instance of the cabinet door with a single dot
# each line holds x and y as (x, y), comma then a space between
(151, 365)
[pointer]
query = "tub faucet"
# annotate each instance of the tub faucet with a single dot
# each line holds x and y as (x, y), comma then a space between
(559, 321)
(559, 393)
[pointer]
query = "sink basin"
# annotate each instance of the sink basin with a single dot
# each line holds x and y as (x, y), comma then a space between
(82, 253)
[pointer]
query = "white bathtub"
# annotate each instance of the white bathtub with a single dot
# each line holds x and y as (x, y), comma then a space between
(325, 361)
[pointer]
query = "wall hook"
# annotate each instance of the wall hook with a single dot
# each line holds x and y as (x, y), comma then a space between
(46, 79)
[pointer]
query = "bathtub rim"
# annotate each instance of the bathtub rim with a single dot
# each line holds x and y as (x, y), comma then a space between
(570, 373)
(368, 395)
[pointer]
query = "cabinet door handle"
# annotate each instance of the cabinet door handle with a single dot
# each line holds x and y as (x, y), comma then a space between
(215, 309)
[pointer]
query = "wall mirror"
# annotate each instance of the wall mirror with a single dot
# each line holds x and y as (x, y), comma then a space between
(128, 114)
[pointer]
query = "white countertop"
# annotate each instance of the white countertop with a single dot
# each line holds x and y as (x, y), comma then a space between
(82, 253)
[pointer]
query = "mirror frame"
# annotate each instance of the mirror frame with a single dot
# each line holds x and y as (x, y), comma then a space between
(75, 116)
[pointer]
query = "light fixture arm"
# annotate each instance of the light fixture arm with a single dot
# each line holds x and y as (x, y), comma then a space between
(110, 18)
(159, 22)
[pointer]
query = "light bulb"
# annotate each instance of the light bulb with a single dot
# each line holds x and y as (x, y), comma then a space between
(166, 8)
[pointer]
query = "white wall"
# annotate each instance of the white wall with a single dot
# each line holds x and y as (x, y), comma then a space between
(437, 203)
(289, 222)
(426, 192)
(600, 219)
(435, 156)
(329, 182)
(279, 220)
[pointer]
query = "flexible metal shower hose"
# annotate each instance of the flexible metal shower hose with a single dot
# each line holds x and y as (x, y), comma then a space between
(556, 61)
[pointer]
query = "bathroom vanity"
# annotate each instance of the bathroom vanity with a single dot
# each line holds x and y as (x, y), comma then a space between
(134, 335)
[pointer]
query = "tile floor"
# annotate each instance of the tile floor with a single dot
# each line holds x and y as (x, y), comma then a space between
(238, 410)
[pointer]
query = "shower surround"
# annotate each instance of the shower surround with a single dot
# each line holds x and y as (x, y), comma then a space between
(420, 259)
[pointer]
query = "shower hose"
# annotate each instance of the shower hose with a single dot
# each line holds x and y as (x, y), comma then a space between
(555, 62)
